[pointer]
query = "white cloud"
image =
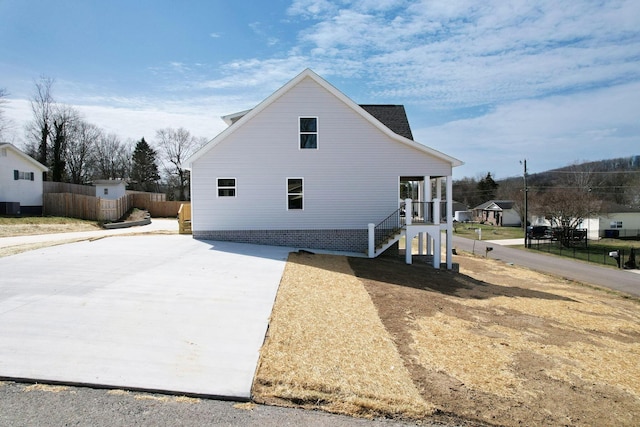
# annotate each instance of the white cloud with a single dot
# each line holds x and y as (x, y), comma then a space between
(550, 132)
(450, 54)
(138, 118)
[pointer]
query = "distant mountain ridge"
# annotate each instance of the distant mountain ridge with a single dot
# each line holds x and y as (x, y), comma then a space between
(612, 180)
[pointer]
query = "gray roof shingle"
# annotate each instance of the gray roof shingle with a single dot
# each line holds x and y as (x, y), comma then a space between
(392, 116)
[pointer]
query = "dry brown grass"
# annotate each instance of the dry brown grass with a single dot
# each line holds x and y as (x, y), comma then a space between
(327, 348)
(46, 387)
(43, 225)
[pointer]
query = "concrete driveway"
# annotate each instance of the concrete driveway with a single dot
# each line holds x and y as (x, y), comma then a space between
(154, 312)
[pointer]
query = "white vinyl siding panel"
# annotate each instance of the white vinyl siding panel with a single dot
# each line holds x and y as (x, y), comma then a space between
(351, 181)
(25, 191)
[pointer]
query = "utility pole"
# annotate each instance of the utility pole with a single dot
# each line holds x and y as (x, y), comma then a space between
(526, 213)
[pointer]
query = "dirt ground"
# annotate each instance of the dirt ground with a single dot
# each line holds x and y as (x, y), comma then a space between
(503, 345)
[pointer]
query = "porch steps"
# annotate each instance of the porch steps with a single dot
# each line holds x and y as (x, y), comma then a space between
(184, 219)
(391, 239)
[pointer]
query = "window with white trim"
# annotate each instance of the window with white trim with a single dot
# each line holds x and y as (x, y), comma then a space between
(616, 224)
(295, 193)
(28, 176)
(226, 187)
(308, 127)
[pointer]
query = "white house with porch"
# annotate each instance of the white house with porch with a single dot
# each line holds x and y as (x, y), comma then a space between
(310, 168)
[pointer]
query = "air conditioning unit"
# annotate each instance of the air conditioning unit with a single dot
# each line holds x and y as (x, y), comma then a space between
(9, 208)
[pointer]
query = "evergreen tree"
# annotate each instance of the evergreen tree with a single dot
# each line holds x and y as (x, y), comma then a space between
(144, 173)
(487, 188)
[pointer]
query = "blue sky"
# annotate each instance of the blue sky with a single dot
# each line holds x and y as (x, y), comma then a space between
(489, 82)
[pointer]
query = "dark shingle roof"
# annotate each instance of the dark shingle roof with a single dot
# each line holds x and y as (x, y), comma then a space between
(392, 116)
(502, 204)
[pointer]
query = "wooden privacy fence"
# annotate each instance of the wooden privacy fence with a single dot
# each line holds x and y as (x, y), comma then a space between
(84, 207)
(64, 187)
(155, 205)
(98, 209)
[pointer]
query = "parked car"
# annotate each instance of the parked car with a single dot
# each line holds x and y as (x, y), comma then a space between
(539, 232)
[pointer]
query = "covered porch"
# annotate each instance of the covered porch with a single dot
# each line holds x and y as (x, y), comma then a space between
(422, 214)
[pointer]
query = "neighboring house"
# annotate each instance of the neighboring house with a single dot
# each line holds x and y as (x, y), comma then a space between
(614, 221)
(111, 189)
(20, 182)
(497, 212)
(309, 168)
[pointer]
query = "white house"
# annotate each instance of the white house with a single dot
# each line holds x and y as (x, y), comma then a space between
(20, 182)
(111, 189)
(309, 168)
(614, 221)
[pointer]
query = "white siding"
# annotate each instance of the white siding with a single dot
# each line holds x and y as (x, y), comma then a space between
(114, 190)
(27, 192)
(352, 179)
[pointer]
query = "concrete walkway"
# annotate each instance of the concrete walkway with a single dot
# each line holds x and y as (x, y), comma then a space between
(153, 312)
(157, 225)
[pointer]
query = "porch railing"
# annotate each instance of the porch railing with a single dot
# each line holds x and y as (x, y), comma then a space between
(421, 212)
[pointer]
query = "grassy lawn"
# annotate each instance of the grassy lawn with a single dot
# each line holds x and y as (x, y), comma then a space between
(489, 232)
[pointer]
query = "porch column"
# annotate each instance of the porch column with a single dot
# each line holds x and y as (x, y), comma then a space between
(429, 214)
(449, 248)
(436, 250)
(408, 237)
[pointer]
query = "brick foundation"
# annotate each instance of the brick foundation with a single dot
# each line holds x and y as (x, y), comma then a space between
(334, 240)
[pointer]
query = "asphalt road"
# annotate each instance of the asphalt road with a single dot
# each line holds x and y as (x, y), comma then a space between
(620, 280)
(37, 405)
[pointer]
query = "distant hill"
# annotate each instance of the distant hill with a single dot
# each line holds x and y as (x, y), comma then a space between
(613, 180)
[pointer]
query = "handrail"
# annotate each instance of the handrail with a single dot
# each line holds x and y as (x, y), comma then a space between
(389, 226)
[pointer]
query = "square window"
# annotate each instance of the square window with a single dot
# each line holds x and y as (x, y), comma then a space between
(295, 193)
(226, 187)
(308, 132)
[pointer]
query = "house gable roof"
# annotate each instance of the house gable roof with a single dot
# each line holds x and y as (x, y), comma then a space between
(392, 116)
(22, 154)
(238, 119)
(495, 205)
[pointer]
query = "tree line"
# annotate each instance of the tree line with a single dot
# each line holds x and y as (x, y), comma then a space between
(79, 152)
(564, 196)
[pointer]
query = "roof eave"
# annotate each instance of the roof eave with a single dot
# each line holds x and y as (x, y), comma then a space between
(338, 94)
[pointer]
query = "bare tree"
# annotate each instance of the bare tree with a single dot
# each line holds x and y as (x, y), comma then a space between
(570, 201)
(81, 144)
(64, 121)
(176, 145)
(40, 128)
(5, 123)
(112, 158)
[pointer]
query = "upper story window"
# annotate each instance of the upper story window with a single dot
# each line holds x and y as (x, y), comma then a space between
(295, 193)
(226, 187)
(308, 132)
